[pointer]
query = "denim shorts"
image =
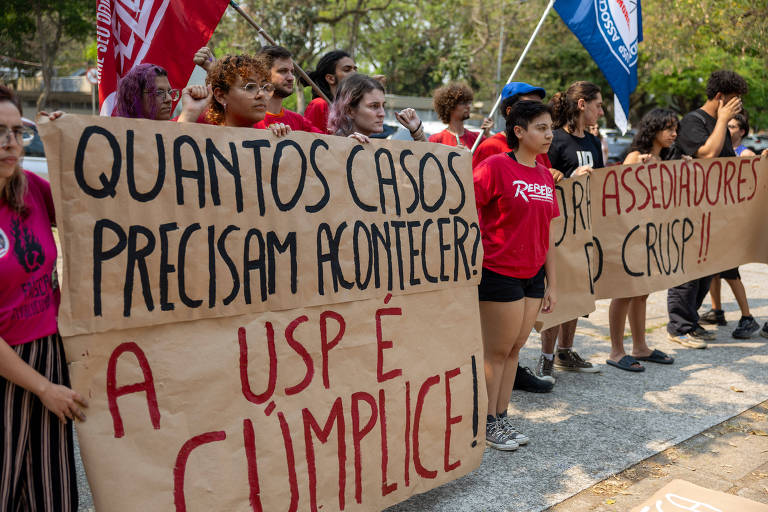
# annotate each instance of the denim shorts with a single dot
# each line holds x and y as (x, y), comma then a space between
(496, 287)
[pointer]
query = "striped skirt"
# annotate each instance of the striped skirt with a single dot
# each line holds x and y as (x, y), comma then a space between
(37, 458)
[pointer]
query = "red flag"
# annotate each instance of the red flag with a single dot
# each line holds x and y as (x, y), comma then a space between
(162, 32)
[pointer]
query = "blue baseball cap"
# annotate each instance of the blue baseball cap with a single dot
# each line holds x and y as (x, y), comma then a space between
(513, 88)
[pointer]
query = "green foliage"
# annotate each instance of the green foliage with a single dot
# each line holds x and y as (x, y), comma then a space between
(421, 44)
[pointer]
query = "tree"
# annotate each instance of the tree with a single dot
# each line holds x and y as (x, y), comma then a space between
(40, 28)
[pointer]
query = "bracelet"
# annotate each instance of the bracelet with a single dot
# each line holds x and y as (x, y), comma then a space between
(417, 128)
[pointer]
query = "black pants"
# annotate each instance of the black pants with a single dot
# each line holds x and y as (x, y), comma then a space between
(683, 303)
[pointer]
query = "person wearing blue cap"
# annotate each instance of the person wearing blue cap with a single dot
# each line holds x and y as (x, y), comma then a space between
(511, 94)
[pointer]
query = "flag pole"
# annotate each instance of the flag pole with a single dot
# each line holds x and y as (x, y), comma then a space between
(271, 41)
(517, 66)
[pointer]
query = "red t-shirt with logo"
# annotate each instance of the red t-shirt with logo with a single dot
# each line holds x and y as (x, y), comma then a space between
(515, 205)
(449, 139)
(29, 297)
(498, 144)
(297, 122)
(317, 114)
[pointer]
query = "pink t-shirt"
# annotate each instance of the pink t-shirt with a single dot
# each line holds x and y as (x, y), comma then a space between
(29, 298)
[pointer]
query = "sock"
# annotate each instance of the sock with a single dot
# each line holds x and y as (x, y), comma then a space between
(502, 415)
(490, 419)
(549, 357)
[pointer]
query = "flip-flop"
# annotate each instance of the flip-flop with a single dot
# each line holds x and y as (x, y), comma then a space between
(657, 356)
(625, 363)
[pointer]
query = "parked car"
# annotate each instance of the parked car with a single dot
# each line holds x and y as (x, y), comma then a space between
(618, 144)
(756, 143)
(34, 152)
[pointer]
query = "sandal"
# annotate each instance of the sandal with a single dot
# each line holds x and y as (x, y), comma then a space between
(657, 356)
(627, 363)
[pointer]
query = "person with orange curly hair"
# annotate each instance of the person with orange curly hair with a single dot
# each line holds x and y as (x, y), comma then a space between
(241, 87)
(452, 103)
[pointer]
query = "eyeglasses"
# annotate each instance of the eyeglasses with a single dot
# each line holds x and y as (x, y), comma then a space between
(23, 135)
(255, 89)
(160, 94)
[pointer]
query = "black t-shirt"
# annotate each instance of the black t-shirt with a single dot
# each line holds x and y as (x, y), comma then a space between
(695, 129)
(568, 152)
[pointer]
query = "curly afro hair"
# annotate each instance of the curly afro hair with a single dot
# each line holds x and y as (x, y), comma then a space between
(224, 74)
(726, 82)
(447, 97)
(655, 121)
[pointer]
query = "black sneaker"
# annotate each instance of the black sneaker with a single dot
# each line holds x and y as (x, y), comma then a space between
(570, 361)
(702, 334)
(713, 317)
(525, 380)
(747, 327)
(764, 330)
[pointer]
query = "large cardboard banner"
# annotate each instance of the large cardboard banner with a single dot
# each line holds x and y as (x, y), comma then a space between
(630, 230)
(267, 324)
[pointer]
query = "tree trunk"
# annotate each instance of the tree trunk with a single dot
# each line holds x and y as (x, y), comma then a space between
(354, 29)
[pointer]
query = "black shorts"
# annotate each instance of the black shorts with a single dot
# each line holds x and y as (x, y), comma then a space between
(496, 287)
(730, 274)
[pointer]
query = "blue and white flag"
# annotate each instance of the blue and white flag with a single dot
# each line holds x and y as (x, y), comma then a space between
(610, 31)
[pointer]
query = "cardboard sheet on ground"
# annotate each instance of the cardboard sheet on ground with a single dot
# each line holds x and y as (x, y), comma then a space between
(682, 496)
(264, 324)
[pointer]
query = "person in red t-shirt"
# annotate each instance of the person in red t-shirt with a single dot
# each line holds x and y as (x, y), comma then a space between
(516, 203)
(511, 94)
(241, 87)
(452, 103)
(281, 69)
(331, 69)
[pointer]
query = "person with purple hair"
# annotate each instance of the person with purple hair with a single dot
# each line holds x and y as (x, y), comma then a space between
(358, 110)
(145, 92)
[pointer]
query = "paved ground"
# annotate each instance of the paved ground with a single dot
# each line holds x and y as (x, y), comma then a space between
(592, 428)
(729, 457)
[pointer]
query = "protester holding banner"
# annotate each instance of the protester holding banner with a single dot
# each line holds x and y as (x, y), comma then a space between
(281, 75)
(525, 379)
(652, 143)
(38, 465)
(704, 134)
(511, 94)
(146, 92)
(453, 103)
(574, 151)
(358, 110)
(241, 86)
(331, 69)
(516, 203)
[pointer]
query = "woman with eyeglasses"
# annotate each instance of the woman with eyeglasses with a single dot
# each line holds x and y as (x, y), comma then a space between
(145, 92)
(241, 87)
(37, 469)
